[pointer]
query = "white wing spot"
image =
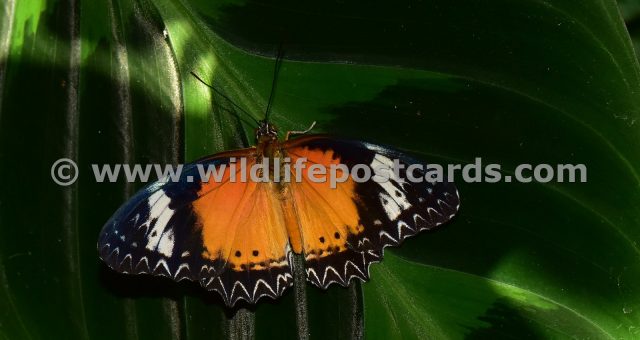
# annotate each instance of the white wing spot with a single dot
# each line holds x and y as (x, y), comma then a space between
(165, 246)
(393, 199)
(161, 213)
(390, 206)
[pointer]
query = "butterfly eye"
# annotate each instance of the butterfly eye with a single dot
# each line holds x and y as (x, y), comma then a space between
(266, 131)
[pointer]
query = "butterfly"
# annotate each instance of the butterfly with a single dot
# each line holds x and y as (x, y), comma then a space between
(238, 238)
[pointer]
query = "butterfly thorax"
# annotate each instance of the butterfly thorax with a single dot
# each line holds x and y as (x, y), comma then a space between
(267, 140)
(268, 146)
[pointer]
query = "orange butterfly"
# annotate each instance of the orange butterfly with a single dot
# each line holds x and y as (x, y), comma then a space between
(237, 238)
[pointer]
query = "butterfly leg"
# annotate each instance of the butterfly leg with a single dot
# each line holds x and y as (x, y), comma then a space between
(289, 133)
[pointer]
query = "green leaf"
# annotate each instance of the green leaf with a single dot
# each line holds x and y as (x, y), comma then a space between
(629, 9)
(108, 81)
(463, 303)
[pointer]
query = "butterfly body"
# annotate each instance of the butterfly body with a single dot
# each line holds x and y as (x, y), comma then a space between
(237, 237)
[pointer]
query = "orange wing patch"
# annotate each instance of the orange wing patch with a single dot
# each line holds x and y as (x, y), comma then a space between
(242, 224)
(244, 235)
(327, 216)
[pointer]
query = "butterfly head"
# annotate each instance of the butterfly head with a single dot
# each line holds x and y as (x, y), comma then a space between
(266, 132)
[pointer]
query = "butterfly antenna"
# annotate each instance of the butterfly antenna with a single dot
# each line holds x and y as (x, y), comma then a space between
(227, 98)
(276, 71)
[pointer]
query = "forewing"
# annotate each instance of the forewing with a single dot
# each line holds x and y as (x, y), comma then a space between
(345, 229)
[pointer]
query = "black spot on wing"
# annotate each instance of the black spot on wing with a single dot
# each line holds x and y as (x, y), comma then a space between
(339, 267)
(252, 284)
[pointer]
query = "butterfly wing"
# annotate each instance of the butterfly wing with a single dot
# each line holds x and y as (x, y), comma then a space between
(227, 234)
(346, 228)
